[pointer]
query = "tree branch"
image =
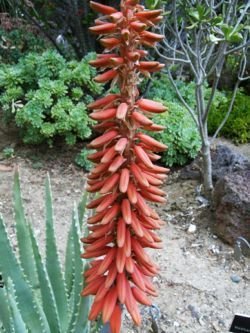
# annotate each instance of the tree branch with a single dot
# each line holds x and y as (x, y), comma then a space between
(241, 17)
(180, 40)
(228, 111)
(168, 58)
(238, 48)
(190, 110)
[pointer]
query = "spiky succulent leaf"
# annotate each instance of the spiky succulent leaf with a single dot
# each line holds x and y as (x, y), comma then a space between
(82, 208)
(53, 263)
(31, 310)
(97, 326)
(82, 315)
(79, 267)
(70, 252)
(5, 314)
(69, 263)
(26, 256)
(48, 298)
(17, 320)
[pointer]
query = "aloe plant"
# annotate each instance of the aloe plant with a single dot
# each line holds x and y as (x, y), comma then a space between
(38, 296)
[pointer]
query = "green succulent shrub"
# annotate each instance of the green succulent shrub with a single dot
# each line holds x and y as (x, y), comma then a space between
(237, 126)
(162, 88)
(47, 97)
(181, 135)
(82, 161)
(18, 42)
(37, 295)
(8, 152)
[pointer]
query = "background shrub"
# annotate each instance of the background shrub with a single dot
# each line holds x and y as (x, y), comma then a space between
(181, 135)
(162, 88)
(47, 97)
(237, 127)
(18, 42)
(82, 161)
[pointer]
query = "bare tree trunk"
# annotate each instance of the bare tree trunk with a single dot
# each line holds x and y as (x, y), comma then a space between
(207, 168)
(205, 149)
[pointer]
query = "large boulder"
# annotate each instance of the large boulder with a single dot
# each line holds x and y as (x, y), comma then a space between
(232, 206)
(225, 160)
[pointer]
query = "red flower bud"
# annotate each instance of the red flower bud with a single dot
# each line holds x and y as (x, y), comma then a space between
(106, 10)
(103, 28)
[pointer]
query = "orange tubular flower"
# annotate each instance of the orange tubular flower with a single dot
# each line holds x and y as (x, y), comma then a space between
(125, 176)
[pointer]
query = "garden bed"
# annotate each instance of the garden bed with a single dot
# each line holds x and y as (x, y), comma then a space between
(201, 285)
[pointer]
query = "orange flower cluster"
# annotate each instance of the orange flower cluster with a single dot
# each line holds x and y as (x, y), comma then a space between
(125, 177)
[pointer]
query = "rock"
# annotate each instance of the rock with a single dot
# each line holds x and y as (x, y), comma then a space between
(194, 312)
(235, 278)
(191, 229)
(224, 160)
(232, 206)
(203, 201)
(192, 171)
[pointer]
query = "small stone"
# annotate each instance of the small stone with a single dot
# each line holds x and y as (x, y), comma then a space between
(194, 312)
(235, 278)
(203, 201)
(191, 229)
(216, 327)
(222, 323)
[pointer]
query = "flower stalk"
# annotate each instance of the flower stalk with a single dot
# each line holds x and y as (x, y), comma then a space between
(124, 174)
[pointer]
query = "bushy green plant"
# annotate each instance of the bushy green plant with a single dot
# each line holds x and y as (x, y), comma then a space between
(162, 88)
(8, 152)
(82, 161)
(47, 97)
(181, 135)
(17, 42)
(237, 126)
(38, 296)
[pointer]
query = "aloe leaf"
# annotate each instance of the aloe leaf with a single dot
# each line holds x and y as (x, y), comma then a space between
(26, 256)
(70, 253)
(31, 310)
(5, 313)
(48, 298)
(77, 286)
(17, 320)
(97, 326)
(82, 315)
(82, 208)
(69, 263)
(52, 261)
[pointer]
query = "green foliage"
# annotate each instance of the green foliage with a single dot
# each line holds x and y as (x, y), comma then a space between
(217, 28)
(82, 161)
(181, 135)
(65, 23)
(237, 126)
(162, 88)
(153, 4)
(47, 97)
(36, 297)
(8, 152)
(18, 42)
